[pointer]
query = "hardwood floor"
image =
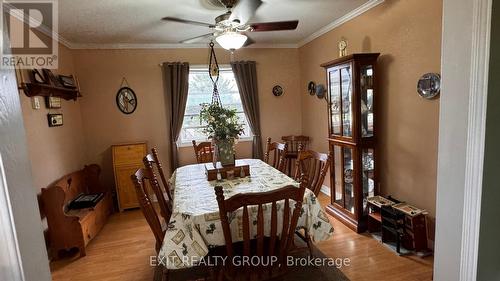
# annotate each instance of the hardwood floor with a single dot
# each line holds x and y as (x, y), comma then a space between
(371, 260)
(123, 248)
(120, 251)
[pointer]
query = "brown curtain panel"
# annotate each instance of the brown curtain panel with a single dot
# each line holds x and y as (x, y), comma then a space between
(246, 78)
(176, 81)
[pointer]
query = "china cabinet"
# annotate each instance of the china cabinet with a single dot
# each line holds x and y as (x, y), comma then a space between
(352, 99)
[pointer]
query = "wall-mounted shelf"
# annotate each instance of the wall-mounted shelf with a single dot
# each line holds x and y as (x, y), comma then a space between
(45, 90)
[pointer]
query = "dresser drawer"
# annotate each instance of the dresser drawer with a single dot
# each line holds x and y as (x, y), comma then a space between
(128, 154)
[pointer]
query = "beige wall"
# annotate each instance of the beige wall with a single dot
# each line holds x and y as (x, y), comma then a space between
(101, 71)
(407, 33)
(54, 151)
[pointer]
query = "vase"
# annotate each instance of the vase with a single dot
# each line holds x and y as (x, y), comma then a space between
(225, 152)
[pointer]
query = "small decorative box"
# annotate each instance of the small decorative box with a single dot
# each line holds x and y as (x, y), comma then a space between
(241, 170)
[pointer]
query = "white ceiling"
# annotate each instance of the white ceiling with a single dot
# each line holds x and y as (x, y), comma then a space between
(112, 22)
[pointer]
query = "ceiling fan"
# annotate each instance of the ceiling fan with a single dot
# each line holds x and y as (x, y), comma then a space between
(231, 27)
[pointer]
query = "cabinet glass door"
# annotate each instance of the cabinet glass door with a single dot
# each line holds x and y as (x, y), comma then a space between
(348, 165)
(367, 101)
(368, 176)
(334, 78)
(346, 94)
(338, 175)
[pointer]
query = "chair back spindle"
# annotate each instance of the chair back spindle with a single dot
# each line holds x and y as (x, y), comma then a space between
(314, 166)
(203, 151)
(159, 168)
(139, 178)
(293, 142)
(276, 154)
(164, 202)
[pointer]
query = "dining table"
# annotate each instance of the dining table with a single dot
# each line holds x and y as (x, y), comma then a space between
(195, 226)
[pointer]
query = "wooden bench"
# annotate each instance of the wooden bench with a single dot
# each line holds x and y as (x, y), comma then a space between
(74, 228)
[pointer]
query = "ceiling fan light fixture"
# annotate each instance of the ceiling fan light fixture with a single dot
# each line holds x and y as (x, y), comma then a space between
(231, 40)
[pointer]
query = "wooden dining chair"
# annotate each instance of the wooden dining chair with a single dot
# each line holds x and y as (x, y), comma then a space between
(139, 179)
(162, 195)
(204, 152)
(279, 152)
(293, 143)
(314, 165)
(272, 247)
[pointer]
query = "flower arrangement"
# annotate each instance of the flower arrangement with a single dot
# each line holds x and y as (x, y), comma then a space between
(222, 124)
(224, 128)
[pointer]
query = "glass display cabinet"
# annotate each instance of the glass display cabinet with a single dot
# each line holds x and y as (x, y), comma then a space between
(351, 83)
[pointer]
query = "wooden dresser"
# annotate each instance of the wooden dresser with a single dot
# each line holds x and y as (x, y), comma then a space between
(127, 158)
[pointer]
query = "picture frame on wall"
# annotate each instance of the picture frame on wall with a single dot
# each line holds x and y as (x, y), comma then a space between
(53, 102)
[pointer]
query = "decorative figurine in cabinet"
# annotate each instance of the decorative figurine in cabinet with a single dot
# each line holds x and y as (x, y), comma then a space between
(352, 99)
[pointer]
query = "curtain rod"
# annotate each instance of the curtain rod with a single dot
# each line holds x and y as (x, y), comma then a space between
(201, 66)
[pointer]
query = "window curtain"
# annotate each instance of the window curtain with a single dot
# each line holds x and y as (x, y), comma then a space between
(245, 74)
(176, 81)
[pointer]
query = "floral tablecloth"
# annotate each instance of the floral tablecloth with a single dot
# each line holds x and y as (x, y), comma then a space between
(195, 225)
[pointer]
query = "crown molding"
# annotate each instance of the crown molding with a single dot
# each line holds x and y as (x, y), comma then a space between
(347, 17)
(104, 46)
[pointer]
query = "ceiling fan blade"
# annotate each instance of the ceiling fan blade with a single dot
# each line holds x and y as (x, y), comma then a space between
(245, 10)
(249, 41)
(274, 26)
(195, 39)
(188, 22)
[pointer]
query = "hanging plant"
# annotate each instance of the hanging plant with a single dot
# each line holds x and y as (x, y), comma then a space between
(222, 124)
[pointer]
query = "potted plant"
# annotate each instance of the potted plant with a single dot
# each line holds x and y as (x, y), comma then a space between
(224, 128)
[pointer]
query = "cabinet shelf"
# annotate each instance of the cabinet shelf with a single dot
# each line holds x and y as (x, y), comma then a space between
(45, 90)
(376, 216)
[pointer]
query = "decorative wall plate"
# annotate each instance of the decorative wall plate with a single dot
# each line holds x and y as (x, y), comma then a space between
(278, 91)
(320, 91)
(429, 85)
(311, 88)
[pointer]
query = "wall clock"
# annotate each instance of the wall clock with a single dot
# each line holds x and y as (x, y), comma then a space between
(126, 100)
(342, 48)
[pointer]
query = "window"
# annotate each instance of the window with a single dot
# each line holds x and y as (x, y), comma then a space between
(200, 91)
